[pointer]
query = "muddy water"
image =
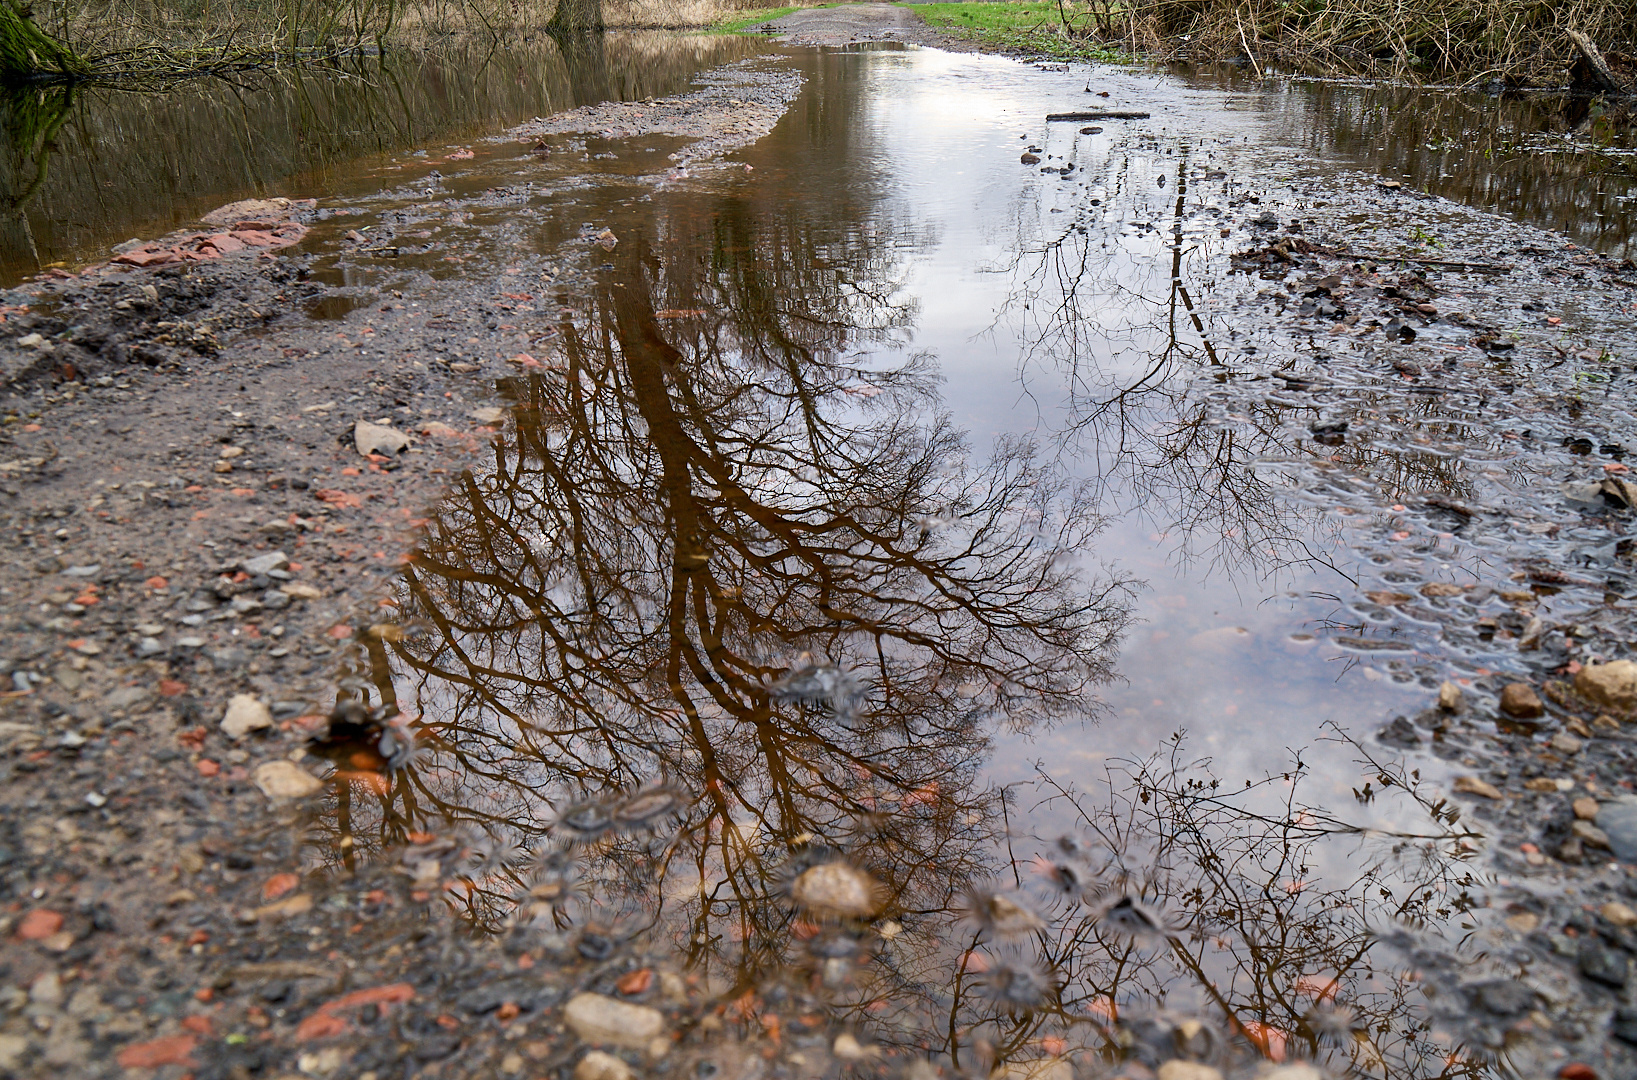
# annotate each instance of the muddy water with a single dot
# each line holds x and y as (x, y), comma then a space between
(875, 515)
(100, 165)
(1565, 162)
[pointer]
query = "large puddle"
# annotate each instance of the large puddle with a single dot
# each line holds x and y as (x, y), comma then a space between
(882, 537)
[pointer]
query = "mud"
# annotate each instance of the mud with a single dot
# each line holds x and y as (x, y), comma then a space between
(172, 907)
(739, 104)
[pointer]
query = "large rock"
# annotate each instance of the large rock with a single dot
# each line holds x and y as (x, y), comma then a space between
(245, 713)
(605, 1021)
(1613, 686)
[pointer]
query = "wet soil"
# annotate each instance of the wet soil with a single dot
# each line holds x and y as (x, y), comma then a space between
(728, 676)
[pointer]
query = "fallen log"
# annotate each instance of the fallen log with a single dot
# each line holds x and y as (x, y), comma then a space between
(1591, 71)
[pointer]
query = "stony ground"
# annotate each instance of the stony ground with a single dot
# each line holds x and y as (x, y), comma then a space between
(199, 548)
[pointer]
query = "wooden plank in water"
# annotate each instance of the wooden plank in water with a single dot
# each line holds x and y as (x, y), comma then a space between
(1076, 117)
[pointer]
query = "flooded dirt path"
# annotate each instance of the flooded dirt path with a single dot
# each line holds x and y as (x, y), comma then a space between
(1142, 610)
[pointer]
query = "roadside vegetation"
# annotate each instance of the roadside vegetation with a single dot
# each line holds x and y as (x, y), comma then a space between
(72, 40)
(748, 17)
(1026, 27)
(1512, 41)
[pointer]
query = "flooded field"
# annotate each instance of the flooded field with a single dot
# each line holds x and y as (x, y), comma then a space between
(925, 611)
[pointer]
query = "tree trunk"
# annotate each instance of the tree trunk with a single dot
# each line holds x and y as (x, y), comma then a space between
(28, 53)
(571, 17)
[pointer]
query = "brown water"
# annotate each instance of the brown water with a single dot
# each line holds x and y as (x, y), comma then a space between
(124, 163)
(882, 514)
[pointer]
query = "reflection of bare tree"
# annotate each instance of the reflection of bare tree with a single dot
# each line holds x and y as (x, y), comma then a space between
(701, 489)
(1250, 950)
(690, 504)
(1155, 413)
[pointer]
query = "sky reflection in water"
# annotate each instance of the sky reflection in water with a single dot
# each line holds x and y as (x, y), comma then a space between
(832, 605)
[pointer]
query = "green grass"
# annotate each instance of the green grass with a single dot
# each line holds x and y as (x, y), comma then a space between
(755, 17)
(1034, 27)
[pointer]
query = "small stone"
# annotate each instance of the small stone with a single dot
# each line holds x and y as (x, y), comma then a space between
(265, 564)
(1565, 744)
(1520, 701)
(1577, 726)
(848, 1048)
(599, 1019)
(297, 590)
(222, 467)
(1046, 1068)
(1300, 1070)
(128, 697)
(1177, 1069)
(1471, 785)
(1590, 835)
(1618, 820)
(245, 713)
(1601, 964)
(1435, 589)
(511, 1064)
(1606, 724)
(489, 415)
(378, 439)
(285, 780)
(1624, 1027)
(299, 904)
(1570, 851)
(1611, 686)
(12, 1049)
(39, 924)
(47, 989)
(1524, 922)
(1577, 1070)
(1449, 697)
(836, 889)
(1541, 784)
(1503, 997)
(1029, 159)
(1585, 809)
(1619, 914)
(596, 1066)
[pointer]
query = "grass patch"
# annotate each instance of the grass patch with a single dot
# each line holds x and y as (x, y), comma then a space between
(743, 20)
(1034, 27)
